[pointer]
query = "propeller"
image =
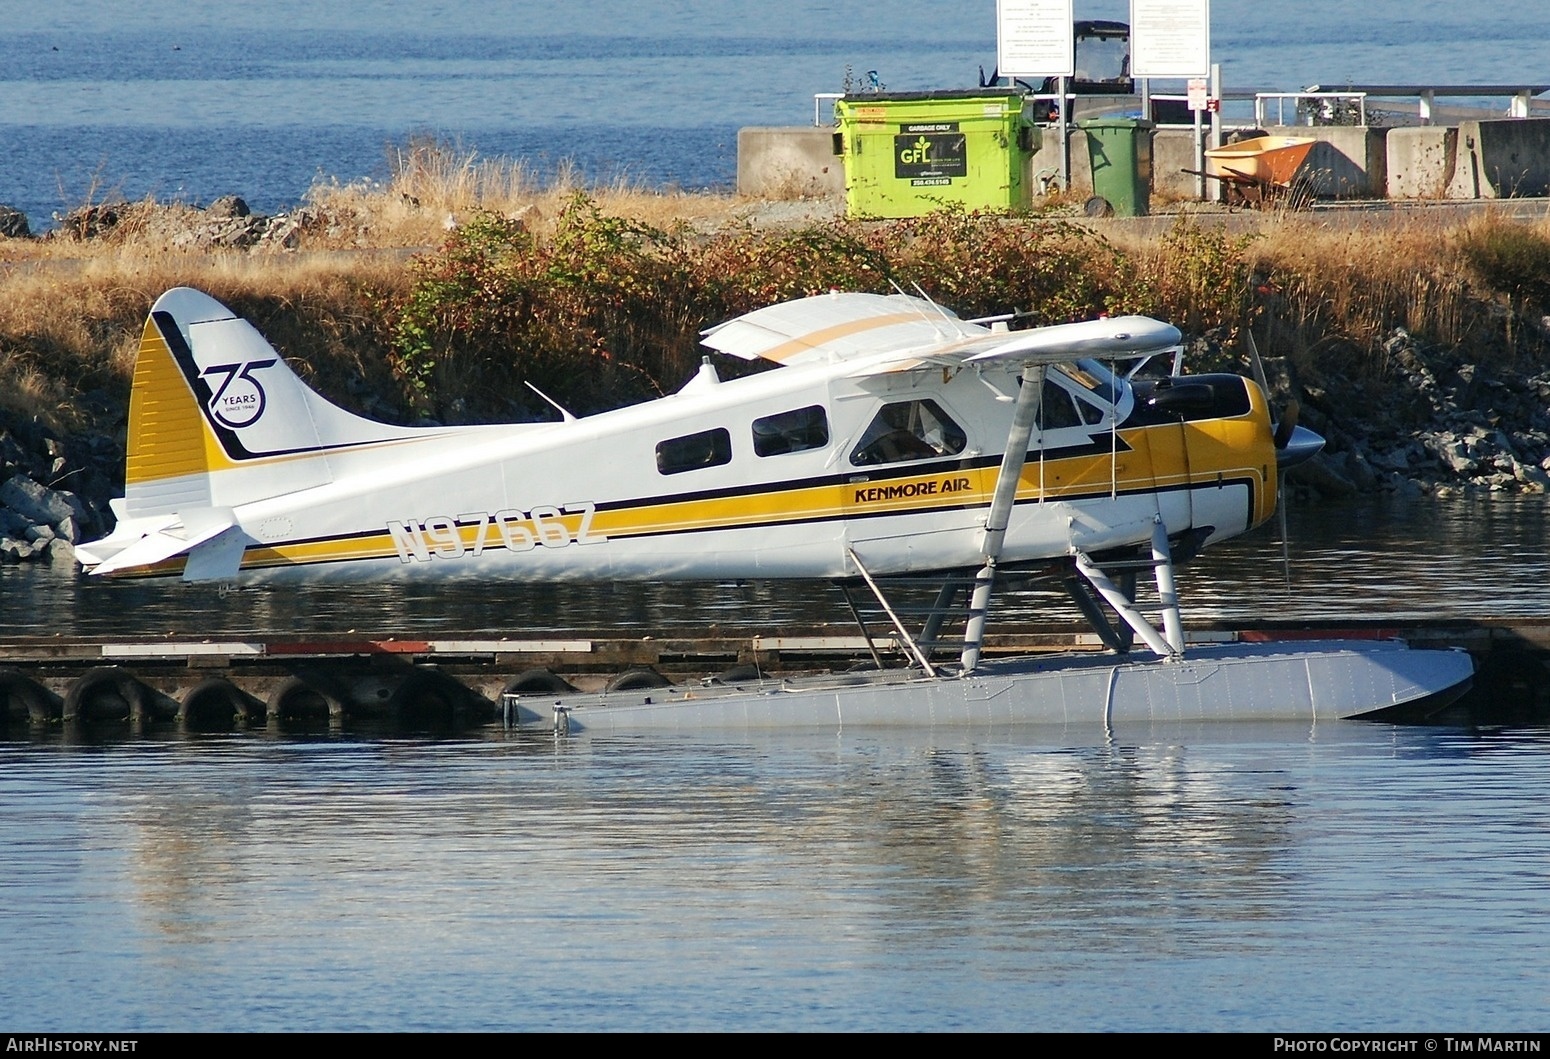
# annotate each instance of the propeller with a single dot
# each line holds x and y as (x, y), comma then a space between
(1293, 444)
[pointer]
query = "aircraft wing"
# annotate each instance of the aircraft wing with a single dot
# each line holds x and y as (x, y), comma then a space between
(839, 326)
(843, 326)
(1118, 338)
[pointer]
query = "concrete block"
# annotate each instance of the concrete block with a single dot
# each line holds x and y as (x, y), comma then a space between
(1505, 158)
(1173, 151)
(1349, 161)
(789, 162)
(1421, 161)
(1044, 164)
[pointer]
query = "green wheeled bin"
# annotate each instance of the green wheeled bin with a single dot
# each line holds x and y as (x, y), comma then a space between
(910, 153)
(1120, 150)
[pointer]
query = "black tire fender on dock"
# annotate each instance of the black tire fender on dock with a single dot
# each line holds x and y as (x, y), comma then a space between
(538, 682)
(1514, 687)
(638, 680)
(429, 697)
(218, 703)
(298, 699)
(432, 688)
(746, 673)
(19, 693)
(107, 693)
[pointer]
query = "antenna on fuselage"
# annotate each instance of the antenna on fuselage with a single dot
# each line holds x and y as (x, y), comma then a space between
(558, 407)
(943, 313)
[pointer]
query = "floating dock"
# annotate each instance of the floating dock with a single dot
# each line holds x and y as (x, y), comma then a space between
(457, 681)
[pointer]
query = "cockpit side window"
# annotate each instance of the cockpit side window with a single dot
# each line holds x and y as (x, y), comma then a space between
(1057, 408)
(794, 431)
(1084, 399)
(908, 430)
(708, 448)
(1096, 379)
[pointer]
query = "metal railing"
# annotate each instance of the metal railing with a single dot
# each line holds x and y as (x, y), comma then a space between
(819, 99)
(1320, 105)
(1310, 104)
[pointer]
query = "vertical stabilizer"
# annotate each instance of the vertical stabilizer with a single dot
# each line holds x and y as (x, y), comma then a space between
(217, 418)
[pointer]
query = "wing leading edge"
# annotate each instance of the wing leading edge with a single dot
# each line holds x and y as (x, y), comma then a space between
(846, 326)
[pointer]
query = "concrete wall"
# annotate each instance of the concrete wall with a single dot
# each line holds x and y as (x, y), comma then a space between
(1504, 158)
(1349, 161)
(1478, 159)
(1173, 152)
(791, 162)
(1421, 161)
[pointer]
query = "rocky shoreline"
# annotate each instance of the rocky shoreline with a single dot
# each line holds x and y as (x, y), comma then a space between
(1440, 424)
(54, 491)
(226, 223)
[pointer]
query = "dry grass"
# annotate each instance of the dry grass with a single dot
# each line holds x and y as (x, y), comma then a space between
(71, 311)
(436, 186)
(1345, 286)
(1335, 286)
(69, 326)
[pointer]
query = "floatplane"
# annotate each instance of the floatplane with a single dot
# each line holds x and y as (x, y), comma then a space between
(895, 438)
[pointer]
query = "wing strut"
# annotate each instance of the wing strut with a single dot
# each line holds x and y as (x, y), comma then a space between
(1001, 500)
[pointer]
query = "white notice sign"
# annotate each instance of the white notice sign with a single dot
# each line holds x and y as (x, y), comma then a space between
(1033, 38)
(1197, 94)
(1170, 38)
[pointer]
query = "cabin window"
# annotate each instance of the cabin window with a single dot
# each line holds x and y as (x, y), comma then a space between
(908, 430)
(708, 448)
(1085, 404)
(794, 431)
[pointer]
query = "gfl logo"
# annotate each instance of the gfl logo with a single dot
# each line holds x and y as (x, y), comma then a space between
(239, 400)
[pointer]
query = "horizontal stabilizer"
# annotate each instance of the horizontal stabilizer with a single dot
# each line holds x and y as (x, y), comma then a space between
(178, 536)
(219, 558)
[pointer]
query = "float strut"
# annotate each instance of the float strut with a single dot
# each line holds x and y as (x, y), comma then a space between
(1024, 415)
(1125, 608)
(1167, 591)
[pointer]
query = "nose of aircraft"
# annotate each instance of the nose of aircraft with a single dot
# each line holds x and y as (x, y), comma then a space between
(1300, 446)
(1294, 444)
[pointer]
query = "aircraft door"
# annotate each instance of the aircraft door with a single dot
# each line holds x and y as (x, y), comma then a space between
(910, 498)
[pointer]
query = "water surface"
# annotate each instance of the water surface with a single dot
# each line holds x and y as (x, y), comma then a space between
(1230, 877)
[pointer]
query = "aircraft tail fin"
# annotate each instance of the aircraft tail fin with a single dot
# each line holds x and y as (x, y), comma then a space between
(217, 418)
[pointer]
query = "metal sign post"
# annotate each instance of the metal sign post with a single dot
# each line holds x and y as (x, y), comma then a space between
(1199, 101)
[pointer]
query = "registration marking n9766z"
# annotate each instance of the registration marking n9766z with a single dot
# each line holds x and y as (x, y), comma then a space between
(469, 533)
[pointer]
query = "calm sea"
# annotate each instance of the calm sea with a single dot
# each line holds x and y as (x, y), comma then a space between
(1342, 878)
(195, 99)
(1232, 877)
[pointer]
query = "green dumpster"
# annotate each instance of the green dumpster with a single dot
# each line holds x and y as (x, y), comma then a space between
(910, 153)
(1120, 150)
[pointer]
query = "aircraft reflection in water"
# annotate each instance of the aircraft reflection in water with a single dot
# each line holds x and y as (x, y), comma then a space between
(895, 439)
